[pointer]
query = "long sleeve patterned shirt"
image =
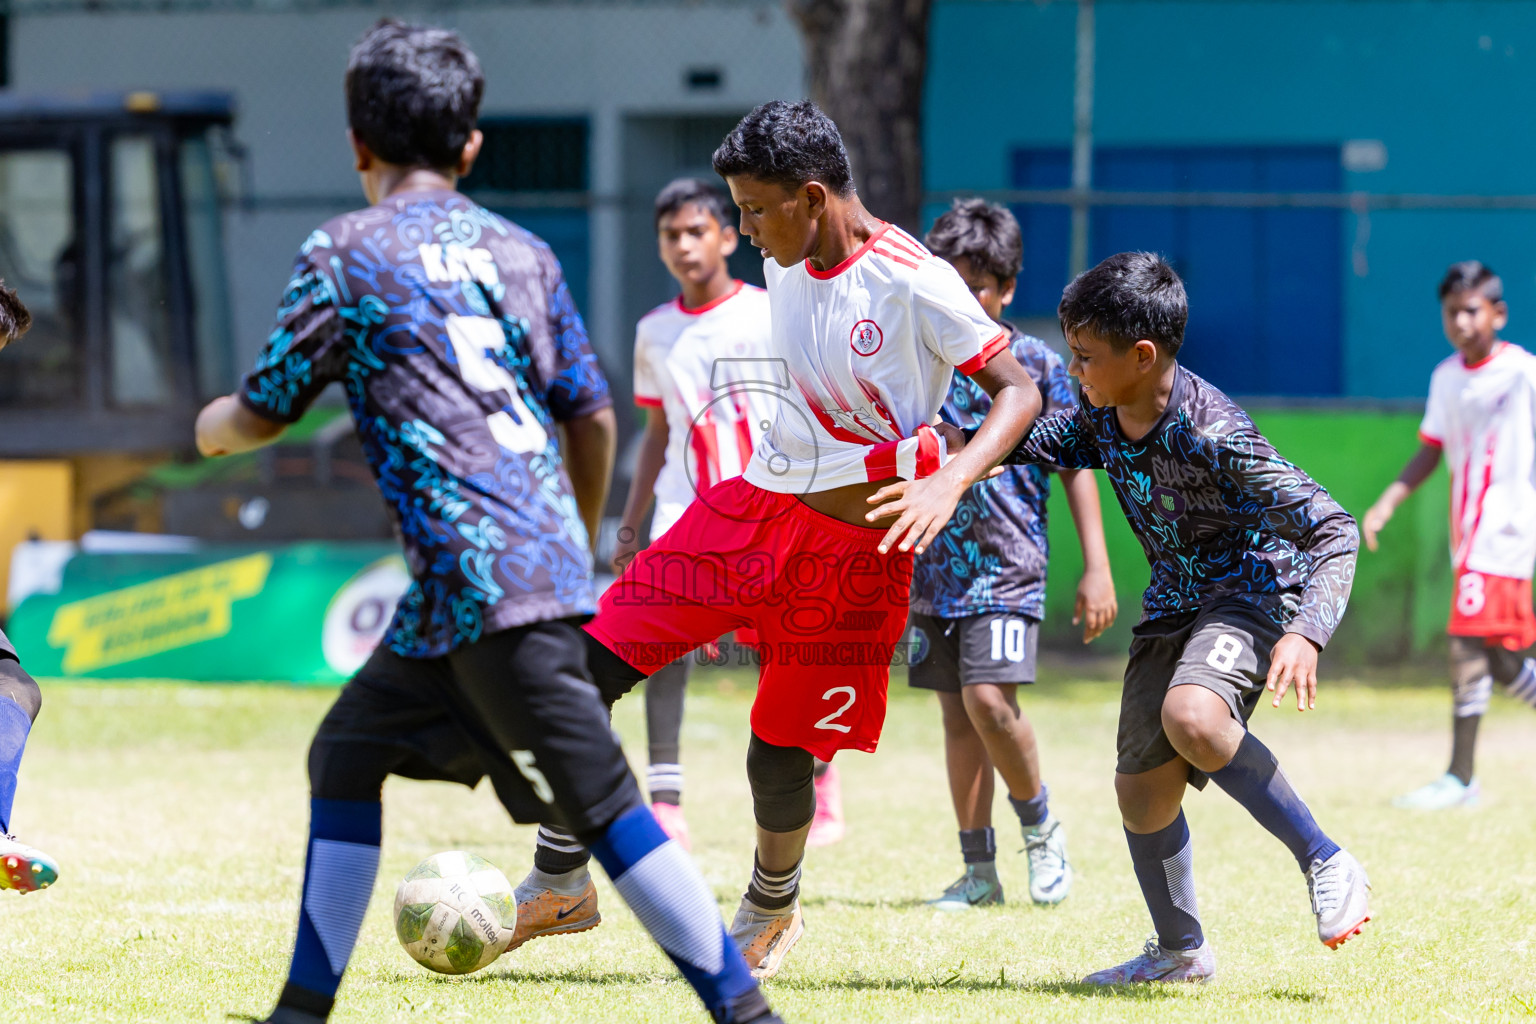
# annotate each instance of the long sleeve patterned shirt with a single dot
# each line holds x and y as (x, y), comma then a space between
(992, 556)
(1220, 515)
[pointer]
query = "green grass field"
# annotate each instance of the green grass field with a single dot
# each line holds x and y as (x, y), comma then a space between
(178, 814)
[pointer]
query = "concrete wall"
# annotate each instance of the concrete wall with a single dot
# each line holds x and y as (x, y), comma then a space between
(604, 61)
(1445, 85)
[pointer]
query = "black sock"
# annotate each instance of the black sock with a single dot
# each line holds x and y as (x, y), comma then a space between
(1165, 870)
(978, 845)
(556, 851)
(1463, 746)
(773, 890)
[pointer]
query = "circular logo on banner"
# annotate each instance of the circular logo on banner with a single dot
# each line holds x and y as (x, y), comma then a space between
(866, 337)
(360, 612)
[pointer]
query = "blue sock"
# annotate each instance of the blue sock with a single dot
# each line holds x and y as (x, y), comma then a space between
(667, 894)
(15, 723)
(339, 871)
(1253, 778)
(1165, 867)
(1032, 812)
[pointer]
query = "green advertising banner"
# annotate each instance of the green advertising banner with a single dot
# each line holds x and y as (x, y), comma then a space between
(304, 613)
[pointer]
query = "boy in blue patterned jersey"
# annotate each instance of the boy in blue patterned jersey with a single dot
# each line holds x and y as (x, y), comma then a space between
(23, 868)
(978, 592)
(1252, 563)
(455, 338)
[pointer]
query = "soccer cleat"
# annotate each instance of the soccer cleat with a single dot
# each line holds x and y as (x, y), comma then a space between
(1443, 794)
(25, 868)
(670, 818)
(972, 889)
(1340, 898)
(1050, 873)
(827, 826)
(544, 911)
(766, 937)
(1158, 964)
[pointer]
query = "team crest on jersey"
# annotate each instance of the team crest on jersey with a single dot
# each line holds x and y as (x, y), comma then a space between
(866, 337)
(1169, 504)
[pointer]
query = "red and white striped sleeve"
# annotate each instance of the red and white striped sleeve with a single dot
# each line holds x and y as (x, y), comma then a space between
(950, 321)
(1432, 427)
(647, 384)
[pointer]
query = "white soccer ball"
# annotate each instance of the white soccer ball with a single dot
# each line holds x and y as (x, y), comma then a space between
(455, 913)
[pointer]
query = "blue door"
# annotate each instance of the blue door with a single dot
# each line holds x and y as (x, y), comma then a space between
(1265, 284)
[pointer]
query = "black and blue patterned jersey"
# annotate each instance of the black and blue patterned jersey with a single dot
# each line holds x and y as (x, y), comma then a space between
(459, 347)
(1220, 515)
(992, 555)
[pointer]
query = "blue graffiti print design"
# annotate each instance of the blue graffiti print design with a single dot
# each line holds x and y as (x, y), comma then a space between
(992, 555)
(1218, 512)
(493, 538)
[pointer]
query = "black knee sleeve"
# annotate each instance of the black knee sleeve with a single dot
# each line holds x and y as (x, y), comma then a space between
(344, 769)
(1505, 665)
(613, 675)
(16, 685)
(783, 785)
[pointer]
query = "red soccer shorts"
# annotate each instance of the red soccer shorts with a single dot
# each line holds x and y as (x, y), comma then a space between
(827, 607)
(1497, 608)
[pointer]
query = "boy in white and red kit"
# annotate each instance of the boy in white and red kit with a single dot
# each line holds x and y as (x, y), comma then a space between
(869, 326)
(1481, 418)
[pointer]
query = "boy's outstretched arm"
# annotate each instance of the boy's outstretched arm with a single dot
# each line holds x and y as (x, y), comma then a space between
(923, 507)
(1292, 505)
(642, 486)
(1424, 462)
(1096, 606)
(227, 427)
(590, 444)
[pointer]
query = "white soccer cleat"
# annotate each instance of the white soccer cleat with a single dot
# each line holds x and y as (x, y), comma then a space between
(1158, 964)
(766, 937)
(25, 868)
(1444, 793)
(1050, 873)
(1340, 898)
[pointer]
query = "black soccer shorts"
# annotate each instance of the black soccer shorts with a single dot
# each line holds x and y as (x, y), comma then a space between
(995, 647)
(517, 705)
(1224, 648)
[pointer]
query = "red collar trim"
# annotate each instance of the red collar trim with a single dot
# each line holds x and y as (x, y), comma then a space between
(712, 303)
(827, 275)
(1497, 348)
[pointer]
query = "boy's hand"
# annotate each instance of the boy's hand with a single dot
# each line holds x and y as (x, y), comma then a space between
(1375, 520)
(1294, 660)
(922, 508)
(1096, 606)
(954, 437)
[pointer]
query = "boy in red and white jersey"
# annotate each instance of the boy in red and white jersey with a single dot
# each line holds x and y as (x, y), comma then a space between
(869, 327)
(691, 356)
(1481, 418)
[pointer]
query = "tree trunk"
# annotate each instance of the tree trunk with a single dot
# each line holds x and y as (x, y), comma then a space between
(867, 61)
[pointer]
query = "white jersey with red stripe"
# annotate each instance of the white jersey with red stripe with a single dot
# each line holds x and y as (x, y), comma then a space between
(1484, 417)
(869, 347)
(686, 364)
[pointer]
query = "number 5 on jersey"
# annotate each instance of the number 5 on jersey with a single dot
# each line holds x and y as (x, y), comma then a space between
(474, 338)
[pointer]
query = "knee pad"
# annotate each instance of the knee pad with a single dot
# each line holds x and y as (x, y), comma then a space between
(783, 785)
(1471, 676)
(342, 769)
(16, 685)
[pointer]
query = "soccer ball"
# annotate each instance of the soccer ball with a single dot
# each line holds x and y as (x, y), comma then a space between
(455, 912)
